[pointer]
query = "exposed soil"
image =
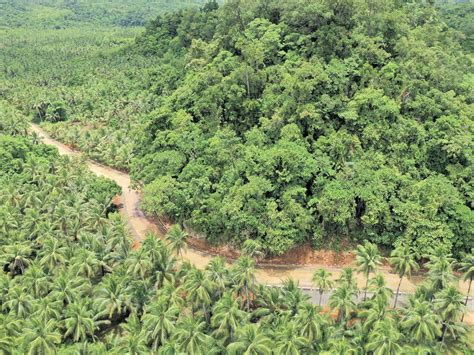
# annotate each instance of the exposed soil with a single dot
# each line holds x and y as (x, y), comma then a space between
(305, 255)
(302, 255)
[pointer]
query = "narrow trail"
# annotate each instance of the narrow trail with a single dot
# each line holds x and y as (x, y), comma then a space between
(139, 226)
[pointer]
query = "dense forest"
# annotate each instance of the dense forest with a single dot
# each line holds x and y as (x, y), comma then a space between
(286, 123)
(60, 14)
(293, 122)
(72, 284)
(262, 125)
(296, 121)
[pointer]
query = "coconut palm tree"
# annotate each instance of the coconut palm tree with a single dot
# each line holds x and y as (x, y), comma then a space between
(32, 222)
(40, 338)
(111, 298)
(97, 216)
(356, 337)
(379, 288)
(467, 267)
(47, 308)
(159, 322)
(79, 322)
(85, 264)
(321, 279)
(8, 222)
(171, 295)
(36, 280)
(68, 288)
(385, 338)
(61, 217)
(6, 343)
(403, 262)
(420, 323)
(177, 239)
(310, 322)
(218, 273)
(270, 304)
(449, 302)
(190, 336)
(119, 240)
(154, 248)
(339, 346)
(165, 267)
(131, 344)
(243, 278)
(376, 311)
(139, 264)
(440, 270)
(289, 341)
(347, 277)
(199, 289)
(367, 259)
(169, 348)
(102, 256)
(90, 348)
(47, 231)
(293, 296)
(342, 299)
(52, 254)
(31, 202)
(250, 340)
(18, 301)
(227, 318)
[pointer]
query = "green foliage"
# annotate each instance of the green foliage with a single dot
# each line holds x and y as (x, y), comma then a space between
(60, 13)
(280, 122)
(288, 128)
(70, 282)
(460, 15)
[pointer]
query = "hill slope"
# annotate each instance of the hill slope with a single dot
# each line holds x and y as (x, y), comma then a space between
(311, 121)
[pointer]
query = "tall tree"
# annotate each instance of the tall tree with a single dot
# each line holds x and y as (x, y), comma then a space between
(467, 267)
(227, 318)
(449, 303)
(420, 322)
(177, 239)
(321, 279)
(159, 322)
(218, 273)
(199, 289)
(112, 299)
(342, 299)
(367, 259)
(250, 340)
(289, 341)
(191, 338)
(385, 338)
(41, 338)
(311, 323)
(79, 322)
(243, 277)
(440, 272)
(403, 262)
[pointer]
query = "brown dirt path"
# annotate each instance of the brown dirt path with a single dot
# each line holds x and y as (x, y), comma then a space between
(139, 225)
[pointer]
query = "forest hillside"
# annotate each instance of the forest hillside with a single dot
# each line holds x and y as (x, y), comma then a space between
(260, 125)
(295, 121)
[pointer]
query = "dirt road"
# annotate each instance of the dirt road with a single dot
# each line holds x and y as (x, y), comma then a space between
(139, 225)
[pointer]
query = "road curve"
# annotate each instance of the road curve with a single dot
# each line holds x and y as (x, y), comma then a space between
(139, 226)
